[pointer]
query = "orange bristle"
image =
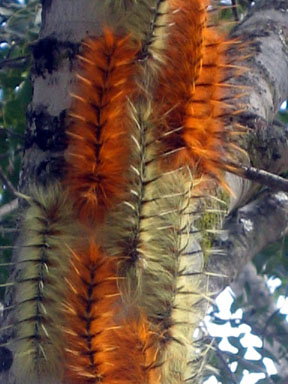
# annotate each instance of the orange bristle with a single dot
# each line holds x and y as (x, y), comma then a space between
(184, 50)
(205, 127)
(88, 311)
(98, 146)
(193, 94)
(136, 356)
(104, 343)
(184, 53)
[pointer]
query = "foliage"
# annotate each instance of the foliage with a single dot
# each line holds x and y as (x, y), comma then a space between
(19, 27)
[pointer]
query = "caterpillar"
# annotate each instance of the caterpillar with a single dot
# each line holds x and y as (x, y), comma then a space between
(193, 94)
(167, 292)
(104, 343)
(36, 316)
(97, 153)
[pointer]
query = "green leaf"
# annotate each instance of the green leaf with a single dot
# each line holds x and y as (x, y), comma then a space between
(11, 81)
(14, 109)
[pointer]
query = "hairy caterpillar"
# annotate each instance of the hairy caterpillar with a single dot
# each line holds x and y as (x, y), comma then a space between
(98, 150)
(166, 291)
(193, 94)
(36, 316)
(103, 342)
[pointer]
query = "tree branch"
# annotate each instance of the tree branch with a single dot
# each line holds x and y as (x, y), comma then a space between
(7, 182)
(15, 62)
(264, 178)
(246, 231)
(267, 82)
(235, 10)
(8, 208)
(221, 358)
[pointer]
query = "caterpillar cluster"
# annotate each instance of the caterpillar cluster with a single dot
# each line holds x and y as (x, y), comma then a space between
(108, 276)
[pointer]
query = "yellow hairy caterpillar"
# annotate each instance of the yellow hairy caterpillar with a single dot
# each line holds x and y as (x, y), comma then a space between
(166, 292)
(36, 316)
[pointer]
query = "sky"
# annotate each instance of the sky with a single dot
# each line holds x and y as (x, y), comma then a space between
(248, 340)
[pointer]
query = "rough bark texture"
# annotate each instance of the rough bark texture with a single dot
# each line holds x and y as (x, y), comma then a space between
(247, 229)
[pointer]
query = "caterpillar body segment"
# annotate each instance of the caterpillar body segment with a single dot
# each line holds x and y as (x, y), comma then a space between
(124, 222)
(87, 309)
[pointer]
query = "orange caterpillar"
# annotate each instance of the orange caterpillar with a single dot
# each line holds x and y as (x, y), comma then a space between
(103, 342)
(191, 93)
(98, 145)
(205, 127)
